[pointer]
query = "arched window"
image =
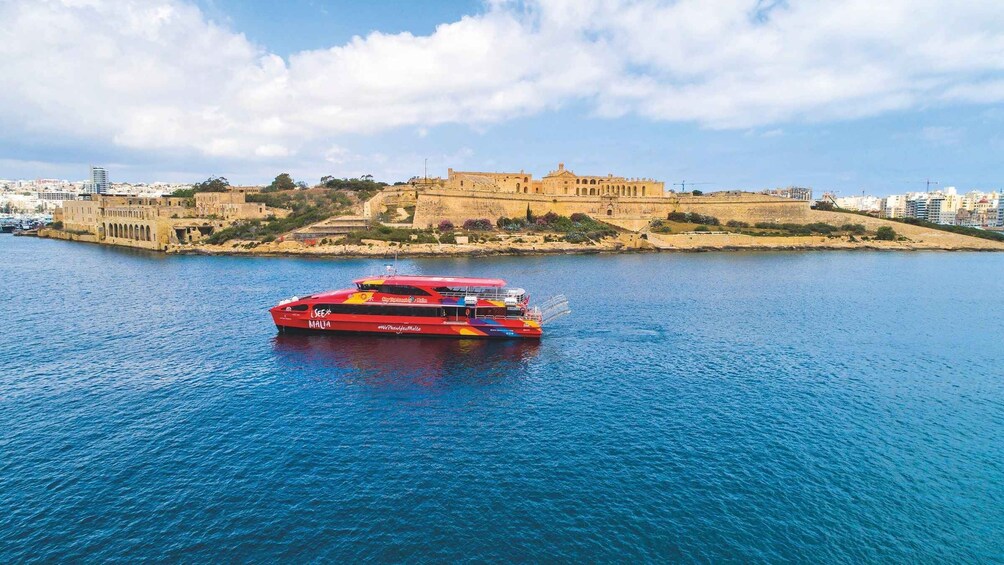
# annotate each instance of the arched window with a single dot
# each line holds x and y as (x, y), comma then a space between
(517, 187)
(593, 181)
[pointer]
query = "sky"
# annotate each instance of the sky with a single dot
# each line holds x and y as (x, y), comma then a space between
(848, 96)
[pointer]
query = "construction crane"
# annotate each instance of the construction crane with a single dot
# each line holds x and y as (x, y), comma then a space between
(683, 184)
(927, 182)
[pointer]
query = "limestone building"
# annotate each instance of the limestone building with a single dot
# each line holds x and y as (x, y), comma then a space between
(155, 223)
(559, 182)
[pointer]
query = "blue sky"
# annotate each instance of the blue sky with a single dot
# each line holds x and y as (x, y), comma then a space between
(842, 96)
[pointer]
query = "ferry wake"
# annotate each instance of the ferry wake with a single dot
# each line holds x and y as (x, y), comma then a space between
(422, 305)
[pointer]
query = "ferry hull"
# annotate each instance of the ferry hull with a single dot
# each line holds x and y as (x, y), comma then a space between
(472, 328)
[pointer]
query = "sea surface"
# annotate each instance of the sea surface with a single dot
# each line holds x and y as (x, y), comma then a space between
(711, 407)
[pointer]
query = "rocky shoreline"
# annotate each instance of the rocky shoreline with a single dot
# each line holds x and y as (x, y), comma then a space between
(626, 243)
(699, 244)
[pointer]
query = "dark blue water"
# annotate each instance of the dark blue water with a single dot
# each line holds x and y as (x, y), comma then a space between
(707, 407)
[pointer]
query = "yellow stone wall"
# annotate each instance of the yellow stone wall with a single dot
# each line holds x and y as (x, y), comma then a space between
(488, 182)
(560, 182)
(456, 206)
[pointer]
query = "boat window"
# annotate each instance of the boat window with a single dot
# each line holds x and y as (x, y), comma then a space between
(297, 308)
(403, 290)
(322, 310)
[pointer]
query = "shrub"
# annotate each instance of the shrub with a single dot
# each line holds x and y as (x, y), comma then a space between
(481, 224)
(510, 224)
(856, 229)
(885, 233)
(701, 228)
(579, 217)
(693, 218)
(736, 224)
(445, 226)
(448, 238)
(697, 193)
(58, 225)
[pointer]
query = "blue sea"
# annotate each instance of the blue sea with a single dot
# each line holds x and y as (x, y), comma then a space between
(707, 407)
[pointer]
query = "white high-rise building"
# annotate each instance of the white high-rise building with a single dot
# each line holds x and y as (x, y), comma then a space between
(893, 206)
(99, 180)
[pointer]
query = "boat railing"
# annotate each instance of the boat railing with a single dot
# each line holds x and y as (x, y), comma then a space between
(514, 317)
(487, 294)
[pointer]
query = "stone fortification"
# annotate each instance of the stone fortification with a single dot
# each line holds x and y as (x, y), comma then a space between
(155, 223)
(455, 205)
(561, 182)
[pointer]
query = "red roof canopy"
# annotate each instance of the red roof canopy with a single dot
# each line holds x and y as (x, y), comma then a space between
(432, 281)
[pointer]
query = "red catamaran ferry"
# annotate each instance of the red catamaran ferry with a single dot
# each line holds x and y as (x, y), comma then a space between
(421, 305)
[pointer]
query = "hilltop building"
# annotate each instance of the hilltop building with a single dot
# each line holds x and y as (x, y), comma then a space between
(559, 182)
(630, 203)
(793, 192)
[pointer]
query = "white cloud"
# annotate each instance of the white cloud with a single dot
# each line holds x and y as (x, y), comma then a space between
(159, 75)
(272, 150)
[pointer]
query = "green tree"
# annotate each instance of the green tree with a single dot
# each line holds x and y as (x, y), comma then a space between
(282, 182)
(885, 233)
(697, 193)
(212, 184)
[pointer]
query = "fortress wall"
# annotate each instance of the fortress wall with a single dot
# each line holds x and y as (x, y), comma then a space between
(750, 208)
(437, 205)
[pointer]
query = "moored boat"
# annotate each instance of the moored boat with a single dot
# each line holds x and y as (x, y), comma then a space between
(421, 305)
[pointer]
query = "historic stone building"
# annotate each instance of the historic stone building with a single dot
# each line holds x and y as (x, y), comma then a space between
(155, 223)
(559, 182)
